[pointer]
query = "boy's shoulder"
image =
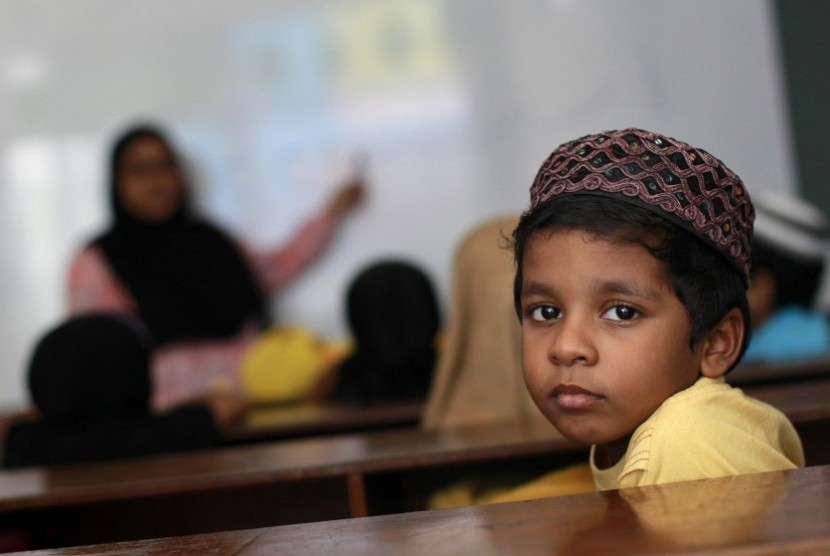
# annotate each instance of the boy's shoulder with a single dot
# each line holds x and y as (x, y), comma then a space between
(713, 403)
(709, 430)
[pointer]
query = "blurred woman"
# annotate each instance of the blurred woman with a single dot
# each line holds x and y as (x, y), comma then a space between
(201, 294)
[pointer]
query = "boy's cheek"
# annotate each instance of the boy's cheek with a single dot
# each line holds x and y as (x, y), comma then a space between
(534, 346)
(536, 375)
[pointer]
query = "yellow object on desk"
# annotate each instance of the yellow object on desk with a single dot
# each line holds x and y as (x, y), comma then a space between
(286, 363)
(574, 479)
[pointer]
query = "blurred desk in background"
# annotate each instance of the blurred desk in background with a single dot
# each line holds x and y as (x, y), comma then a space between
(803, 401)
(266, 484)
(293, 421)
(806, 403)
(784, 512)
(752, 373)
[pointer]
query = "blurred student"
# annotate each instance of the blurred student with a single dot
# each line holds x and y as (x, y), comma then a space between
(788, 260)
(478, 376)
(394, 317)
(90, 383)
(202, 295)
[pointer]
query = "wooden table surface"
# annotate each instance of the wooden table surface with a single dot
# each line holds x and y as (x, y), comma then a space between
(784, 512)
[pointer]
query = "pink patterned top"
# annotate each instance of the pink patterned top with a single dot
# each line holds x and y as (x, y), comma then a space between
(185, 371)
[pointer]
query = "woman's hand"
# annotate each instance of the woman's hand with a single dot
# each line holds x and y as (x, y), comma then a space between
(346, 198)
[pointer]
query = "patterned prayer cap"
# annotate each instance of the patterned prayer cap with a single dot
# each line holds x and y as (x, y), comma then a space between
(684, 184)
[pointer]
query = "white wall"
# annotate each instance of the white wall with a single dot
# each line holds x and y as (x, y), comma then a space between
(455, 102)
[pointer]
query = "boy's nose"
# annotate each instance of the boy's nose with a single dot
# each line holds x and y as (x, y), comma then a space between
(572, 344)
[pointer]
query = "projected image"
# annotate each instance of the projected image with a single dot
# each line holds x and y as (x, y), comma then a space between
(316, 89)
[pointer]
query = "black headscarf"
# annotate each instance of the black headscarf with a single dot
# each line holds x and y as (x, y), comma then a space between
(91, 367)
(89, 378)
(393, 313)
(186, 276)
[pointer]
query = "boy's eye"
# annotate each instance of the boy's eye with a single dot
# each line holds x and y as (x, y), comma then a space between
(621, 313)
(545, 313)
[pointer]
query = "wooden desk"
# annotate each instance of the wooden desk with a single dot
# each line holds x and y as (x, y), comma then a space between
(754, 373)
(282, 422)
(768, 513)
(807, 404)
(803, 401)
(266, 484)
(312, 479)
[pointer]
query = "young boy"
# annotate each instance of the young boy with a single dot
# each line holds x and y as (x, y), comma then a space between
(632, 268)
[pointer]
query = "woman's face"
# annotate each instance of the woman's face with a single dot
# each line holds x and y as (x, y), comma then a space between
(149, 182)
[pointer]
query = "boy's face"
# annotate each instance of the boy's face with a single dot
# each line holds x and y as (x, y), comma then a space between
(604, 338)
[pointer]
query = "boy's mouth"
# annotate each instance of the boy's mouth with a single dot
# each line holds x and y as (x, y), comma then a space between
(570, 396)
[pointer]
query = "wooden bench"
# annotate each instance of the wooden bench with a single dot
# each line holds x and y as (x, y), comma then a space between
(784, 512)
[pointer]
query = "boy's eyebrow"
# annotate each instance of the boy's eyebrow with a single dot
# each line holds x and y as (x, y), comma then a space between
(606, 286)
(536, 288)
(626, 288)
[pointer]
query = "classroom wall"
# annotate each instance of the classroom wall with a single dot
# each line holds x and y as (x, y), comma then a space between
(806, 72)
(453, 104)
(805, 44)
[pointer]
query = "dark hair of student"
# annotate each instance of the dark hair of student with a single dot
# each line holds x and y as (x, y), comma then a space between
(89, 379)
(704, 281)
(393, 314)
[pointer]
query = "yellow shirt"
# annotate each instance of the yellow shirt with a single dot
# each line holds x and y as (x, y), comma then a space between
(707, 430)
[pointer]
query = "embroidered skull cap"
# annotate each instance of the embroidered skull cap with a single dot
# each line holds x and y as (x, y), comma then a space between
(686, 185)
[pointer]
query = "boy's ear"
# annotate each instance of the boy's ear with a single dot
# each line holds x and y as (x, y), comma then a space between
(722, 344)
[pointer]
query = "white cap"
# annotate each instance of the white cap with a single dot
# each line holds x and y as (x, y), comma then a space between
(791, 224)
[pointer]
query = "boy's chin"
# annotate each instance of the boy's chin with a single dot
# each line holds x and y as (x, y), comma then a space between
(579, 435)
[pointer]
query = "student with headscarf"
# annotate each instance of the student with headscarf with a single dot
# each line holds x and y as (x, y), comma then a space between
(478, 377)
(90, 383)
(202, 295)
(394, 318)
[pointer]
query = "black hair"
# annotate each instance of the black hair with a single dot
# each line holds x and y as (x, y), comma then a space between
(394, 357)
(796, 278)
(705, 282)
